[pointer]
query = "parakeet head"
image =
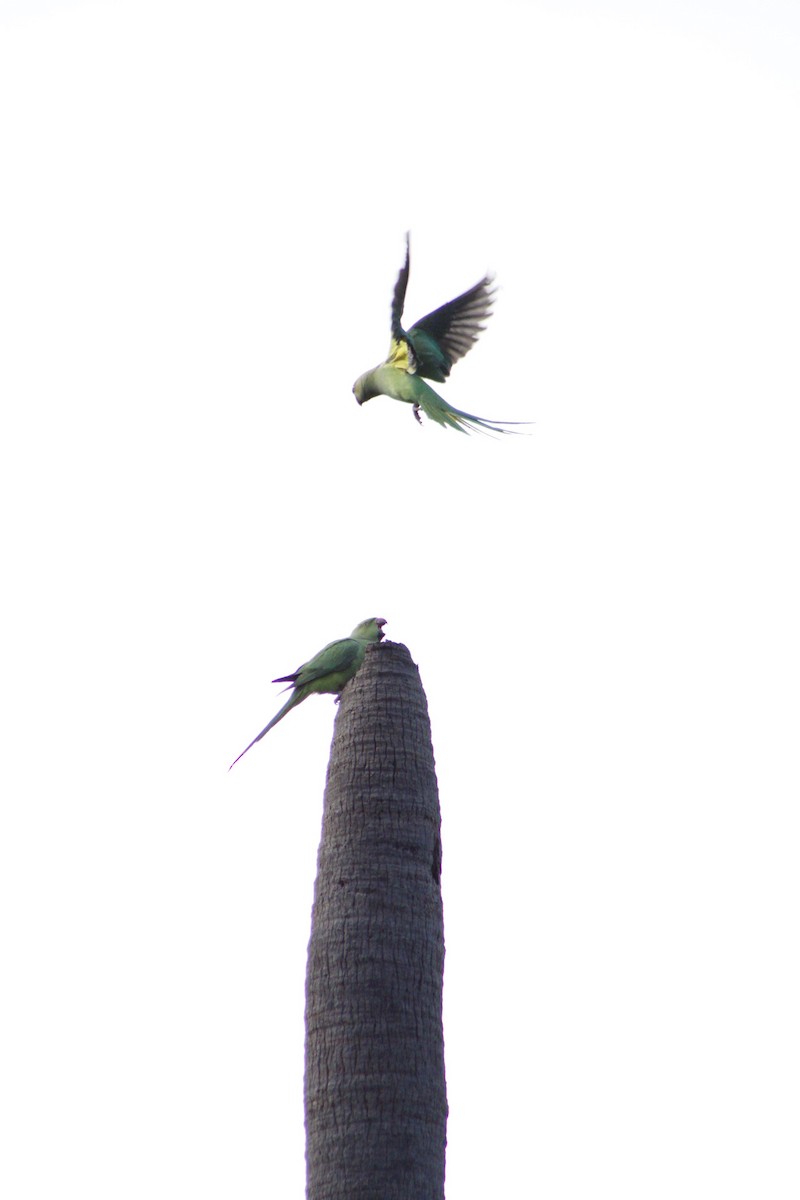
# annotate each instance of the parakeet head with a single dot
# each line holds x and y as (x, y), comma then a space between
(370, 630)
(364, 388)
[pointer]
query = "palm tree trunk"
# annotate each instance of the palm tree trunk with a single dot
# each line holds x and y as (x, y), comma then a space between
(375, 1100)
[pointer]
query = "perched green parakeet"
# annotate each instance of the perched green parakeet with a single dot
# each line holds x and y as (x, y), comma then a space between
(327, 671)
(429, 348)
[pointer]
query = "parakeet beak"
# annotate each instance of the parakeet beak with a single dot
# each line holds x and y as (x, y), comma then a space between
(381, 635)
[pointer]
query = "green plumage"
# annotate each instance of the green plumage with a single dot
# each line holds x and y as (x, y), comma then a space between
(428, 350)
(326, 672)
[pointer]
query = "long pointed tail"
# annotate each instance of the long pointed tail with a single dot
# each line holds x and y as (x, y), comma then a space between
(466, 422)
(294, 699)
(437, 409)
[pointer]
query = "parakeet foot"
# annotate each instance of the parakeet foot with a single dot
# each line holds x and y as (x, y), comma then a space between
(417, 417)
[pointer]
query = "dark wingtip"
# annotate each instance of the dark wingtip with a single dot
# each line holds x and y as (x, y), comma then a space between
(399, 294)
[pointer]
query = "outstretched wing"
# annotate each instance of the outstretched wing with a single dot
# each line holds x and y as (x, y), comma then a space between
(401, 352)
(399, 297)
(445, 335)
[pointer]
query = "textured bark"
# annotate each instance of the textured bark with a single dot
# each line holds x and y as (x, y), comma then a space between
(375, 1100)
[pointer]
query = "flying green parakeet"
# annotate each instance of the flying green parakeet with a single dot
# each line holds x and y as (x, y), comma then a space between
(429, 349)
(327, 671)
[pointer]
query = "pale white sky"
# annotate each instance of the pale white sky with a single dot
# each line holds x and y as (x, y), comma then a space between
(201, 221)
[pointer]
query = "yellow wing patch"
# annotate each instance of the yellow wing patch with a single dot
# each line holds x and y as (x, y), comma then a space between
(401, 356)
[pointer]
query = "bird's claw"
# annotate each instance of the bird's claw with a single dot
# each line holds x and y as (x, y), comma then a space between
(417, 417)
